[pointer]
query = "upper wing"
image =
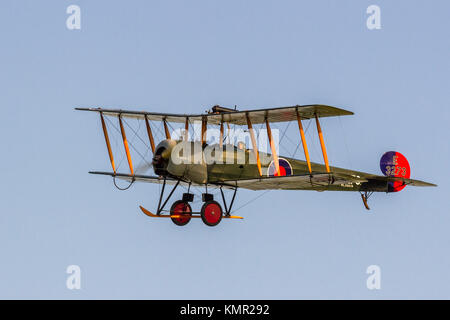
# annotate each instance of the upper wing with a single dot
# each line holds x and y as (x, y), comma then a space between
(233, 117)
(282, 114)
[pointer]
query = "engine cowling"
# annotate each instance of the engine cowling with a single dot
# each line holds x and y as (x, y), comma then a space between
(181, 159)
(161, 157)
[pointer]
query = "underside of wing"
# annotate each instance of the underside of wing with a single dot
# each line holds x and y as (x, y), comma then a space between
(257, 116)
(282, 114)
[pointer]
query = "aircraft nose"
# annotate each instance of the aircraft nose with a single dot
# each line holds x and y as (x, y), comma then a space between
(157, 160)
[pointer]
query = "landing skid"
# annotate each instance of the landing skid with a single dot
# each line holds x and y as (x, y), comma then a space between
(181, 212)
(365, 197)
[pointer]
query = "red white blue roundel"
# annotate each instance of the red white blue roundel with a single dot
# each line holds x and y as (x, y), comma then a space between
(285, 168)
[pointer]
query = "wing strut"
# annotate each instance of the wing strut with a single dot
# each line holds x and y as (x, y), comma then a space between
(221, 141)
(203, 137)
(166, 129)
(322, 144)
(273, 149)
(305, 147)
(255, 147)
(186, 129)
(150, 135)
(108, 145)
(125, 144)
(221, 134)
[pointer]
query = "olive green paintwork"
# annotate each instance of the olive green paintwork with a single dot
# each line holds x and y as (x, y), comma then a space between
(228, 172)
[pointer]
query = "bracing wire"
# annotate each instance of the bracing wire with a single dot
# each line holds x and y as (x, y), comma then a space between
(252, 200)
(298, 144)
(136, 134)
(345, 143)
(130, 142)
(116, 142)
(267, 191)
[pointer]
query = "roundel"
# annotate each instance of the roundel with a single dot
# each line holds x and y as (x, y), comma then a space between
(285, 168)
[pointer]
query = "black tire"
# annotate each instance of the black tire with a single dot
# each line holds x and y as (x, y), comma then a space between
(186, 212)
(211, 213)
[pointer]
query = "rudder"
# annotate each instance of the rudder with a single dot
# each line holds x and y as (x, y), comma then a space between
(394, 164)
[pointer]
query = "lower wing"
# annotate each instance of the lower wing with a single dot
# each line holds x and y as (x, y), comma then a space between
(318, 181)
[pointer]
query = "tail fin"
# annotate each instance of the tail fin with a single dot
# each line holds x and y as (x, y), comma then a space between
(394, 164)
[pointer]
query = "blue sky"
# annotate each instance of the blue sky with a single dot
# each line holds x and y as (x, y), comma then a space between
(184, 57)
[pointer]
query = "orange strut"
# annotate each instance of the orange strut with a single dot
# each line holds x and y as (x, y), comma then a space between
(166, 130)
(255, 149)
(203, 131)
(125, 144)
(272, 147)
(322, 144)
(305, 147)
(221, 134)
(150, 135)
(108, 145)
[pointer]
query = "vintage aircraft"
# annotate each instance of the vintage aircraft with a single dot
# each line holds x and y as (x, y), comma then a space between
(246, 169)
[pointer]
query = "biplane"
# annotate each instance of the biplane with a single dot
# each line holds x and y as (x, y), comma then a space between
(189, 162)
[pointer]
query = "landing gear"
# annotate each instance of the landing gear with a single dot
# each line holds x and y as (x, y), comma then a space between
(211, 213)
(183, 211)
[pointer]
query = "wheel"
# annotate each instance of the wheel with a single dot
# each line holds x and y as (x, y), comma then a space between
(211, 213)
(183, 208)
